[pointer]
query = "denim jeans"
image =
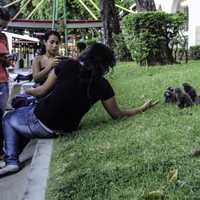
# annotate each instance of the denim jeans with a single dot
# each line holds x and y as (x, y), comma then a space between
(4, 93)
(18, 124)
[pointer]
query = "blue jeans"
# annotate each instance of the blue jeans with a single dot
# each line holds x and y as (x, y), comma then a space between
(4, 93)
(18, 124)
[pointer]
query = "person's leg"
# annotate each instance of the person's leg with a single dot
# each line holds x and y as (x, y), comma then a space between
(4, 93)
(1, 135)
(21, 122)
(13, 123)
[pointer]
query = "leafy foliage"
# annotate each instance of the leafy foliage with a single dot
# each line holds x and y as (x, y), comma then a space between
(152, 36)
(120, 48)
(195, 52)
(74, 9)
(44, 12)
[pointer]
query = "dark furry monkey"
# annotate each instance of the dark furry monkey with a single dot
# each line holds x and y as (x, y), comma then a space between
(183, 99)
(190, 91)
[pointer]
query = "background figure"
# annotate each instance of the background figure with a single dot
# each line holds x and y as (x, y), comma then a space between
(47, 60)
(4, 62)
(21, 63)
(80, 47)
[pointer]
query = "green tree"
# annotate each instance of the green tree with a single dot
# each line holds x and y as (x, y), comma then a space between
(44, 12)
(152, 37)
(74, 8)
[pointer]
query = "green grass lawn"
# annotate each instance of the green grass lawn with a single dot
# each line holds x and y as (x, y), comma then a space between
(126, 159)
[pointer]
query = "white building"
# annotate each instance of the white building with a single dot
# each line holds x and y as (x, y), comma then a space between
(190, 7)
(21, 45)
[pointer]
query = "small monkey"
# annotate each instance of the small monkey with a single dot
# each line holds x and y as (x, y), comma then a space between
(169, 95)
(183, 99)
(190, 91)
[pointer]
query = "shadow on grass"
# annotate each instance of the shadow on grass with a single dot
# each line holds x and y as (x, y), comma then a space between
(86, 127)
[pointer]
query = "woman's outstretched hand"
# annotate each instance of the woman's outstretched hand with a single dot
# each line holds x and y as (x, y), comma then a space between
(149, 103)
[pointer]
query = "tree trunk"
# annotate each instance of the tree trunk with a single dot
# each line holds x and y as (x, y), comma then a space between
(145, 5)
(110, 20)
(113, 36)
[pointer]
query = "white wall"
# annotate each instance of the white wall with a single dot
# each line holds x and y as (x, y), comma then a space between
(194, 22)
(170, 6)
(166, 5)
(10, 36)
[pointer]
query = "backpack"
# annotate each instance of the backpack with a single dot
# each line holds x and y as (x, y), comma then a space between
(22, 77)
(23, 99)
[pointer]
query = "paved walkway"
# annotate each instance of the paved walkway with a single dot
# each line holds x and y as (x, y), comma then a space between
(38, 175)
(30, 182)
(13, 187)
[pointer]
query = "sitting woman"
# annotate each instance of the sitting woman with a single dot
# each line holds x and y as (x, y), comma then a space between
(49, 57)
(78, 85)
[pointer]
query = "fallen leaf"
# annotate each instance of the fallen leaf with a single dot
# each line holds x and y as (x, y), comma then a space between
(196, 153)
(153, 195)
(172, 175)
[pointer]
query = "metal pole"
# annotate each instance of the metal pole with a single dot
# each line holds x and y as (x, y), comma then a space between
(90, 12)
(121, 7)
(12, 3)
(94, 4)
(56, 11)
(65, 25)
(53, 17)
(21, 9)
(35, 9)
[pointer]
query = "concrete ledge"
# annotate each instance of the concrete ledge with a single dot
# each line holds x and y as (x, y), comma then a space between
(38, 175)
(13, 187)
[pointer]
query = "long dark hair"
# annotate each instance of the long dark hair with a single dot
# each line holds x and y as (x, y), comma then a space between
(4, 14)
(97, 60)
(45, 38)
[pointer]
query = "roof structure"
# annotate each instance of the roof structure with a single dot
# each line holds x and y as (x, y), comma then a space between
(47, 24)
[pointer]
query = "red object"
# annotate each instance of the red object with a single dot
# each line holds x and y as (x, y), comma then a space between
(3, 51)
(3, 47)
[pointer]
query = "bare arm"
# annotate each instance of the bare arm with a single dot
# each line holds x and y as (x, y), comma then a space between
(38, 74)
(45, 87)
(113, 110)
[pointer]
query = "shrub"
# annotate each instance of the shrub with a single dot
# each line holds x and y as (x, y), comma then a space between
(91, 41)
(195, 52)
(120, 48)
(152, 36)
